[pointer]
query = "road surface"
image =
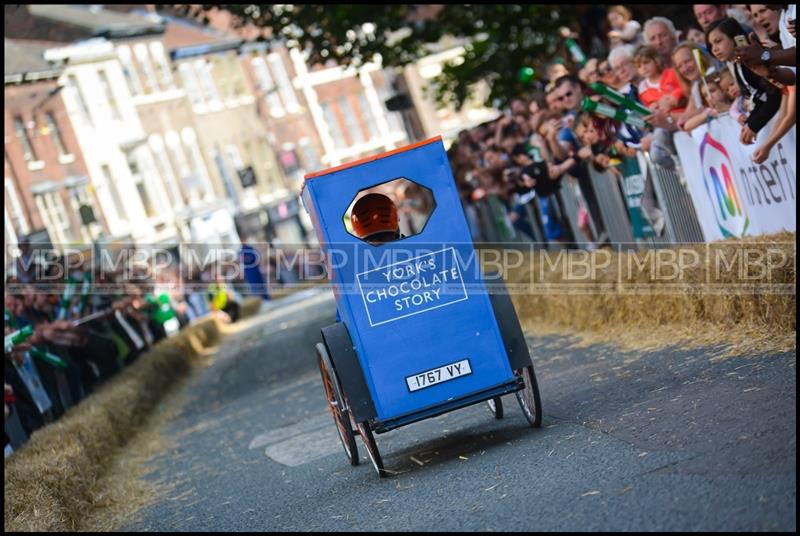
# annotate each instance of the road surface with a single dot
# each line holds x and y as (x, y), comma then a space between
(672, 440)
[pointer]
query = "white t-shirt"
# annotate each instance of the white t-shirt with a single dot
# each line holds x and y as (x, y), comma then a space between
(787, 41)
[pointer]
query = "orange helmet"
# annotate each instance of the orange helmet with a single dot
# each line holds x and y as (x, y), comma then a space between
(374, 213)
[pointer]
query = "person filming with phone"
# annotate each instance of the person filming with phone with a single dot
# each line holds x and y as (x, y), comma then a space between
(723, 36)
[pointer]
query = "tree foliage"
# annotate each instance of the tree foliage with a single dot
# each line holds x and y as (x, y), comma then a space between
(498, 39)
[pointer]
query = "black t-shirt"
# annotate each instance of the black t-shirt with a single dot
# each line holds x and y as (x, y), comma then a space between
(544, 185)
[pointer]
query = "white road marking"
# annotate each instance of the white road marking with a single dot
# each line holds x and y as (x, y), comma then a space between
(300, 443)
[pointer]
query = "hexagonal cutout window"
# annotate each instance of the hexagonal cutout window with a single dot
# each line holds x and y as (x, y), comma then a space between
(389, 211)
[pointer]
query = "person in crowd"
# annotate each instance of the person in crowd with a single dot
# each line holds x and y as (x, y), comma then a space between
(764, 56)
(555, 70)
(776, 63)
(624, 30)
(588, 73)
(706, 14)
(688, 71)
(621, 60)
(714, 100)
(738, 110)
(607, 76)
(693, 34)
(659, 87)
(764, 96)
(660, 90)
(767, 16)
(660, 34)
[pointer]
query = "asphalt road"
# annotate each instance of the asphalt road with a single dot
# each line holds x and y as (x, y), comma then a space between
(672, 440)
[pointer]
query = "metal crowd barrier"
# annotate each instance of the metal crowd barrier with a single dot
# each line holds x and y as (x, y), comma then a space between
(609, 210)
(13, 428)
(493, 220)
(680, 218)
(612, 207)
(569, 206)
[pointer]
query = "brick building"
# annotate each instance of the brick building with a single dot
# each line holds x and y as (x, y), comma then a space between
(47, 185)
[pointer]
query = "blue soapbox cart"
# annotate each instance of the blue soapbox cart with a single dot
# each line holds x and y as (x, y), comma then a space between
(417, 332)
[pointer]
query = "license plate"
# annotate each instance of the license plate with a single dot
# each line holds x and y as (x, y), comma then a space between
(435, 376)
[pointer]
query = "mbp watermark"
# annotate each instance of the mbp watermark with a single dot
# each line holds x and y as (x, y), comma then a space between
(516, 268)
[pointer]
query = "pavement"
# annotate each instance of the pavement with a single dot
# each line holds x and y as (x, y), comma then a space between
(668, 440)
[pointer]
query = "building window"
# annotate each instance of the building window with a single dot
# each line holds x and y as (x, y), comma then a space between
(17, 216)
(204, 70)
(157, 50)
(79, 196)
(141, 187)
(310, 158)
(144, 60)
(203, 183)
(273, 175)
(351, 121)
(369, 117)
(77, 95)
(235, 157)
(119, 207)
(266, 85)
(284, 83)
(109, 94)
(164, 169)
(132, 79)
(54, 215)
(22, 134)
(55, 132)
(190, 83)
(190, 182)
(393, 118)
(333, 126)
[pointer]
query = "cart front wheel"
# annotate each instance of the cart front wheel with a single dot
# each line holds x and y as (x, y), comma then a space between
(372, 448)
(341, 415)
(496, 407)
(529, 399)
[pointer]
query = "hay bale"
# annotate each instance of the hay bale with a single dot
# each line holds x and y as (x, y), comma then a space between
(51, 482)
(716, 286)
(249, 307)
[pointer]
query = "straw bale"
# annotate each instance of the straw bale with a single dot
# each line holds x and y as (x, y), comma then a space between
(716, 291)
(53, 481)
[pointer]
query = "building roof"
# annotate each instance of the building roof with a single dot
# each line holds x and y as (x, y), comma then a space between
(97, 21)
(25, 60)
(183, 35)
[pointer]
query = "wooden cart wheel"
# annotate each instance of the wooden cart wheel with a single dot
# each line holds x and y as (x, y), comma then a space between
(529, 399)
(496, 407)
(341, 415)
(372, 448)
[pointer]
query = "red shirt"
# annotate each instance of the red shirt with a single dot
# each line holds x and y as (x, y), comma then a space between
(668, 84)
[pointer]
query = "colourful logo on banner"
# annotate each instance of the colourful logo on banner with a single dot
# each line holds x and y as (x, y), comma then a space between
(718, 178)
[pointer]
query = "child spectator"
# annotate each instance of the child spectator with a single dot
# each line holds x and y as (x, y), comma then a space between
(715, 100)
(738, 109)
(624, 30)
(765, 97)
(694, 35)
(660, 88)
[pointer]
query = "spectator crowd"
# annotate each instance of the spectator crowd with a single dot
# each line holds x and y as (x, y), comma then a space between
(73, 321)
(739, 60)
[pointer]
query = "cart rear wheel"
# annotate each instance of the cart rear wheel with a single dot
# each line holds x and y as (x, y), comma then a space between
(341, 415)
(529, 399)
(372, 448)
(496, 407)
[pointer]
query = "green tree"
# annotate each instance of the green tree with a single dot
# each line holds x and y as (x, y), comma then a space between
(498, 39)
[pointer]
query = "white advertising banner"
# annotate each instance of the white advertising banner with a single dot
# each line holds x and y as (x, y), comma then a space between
(733, 196)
